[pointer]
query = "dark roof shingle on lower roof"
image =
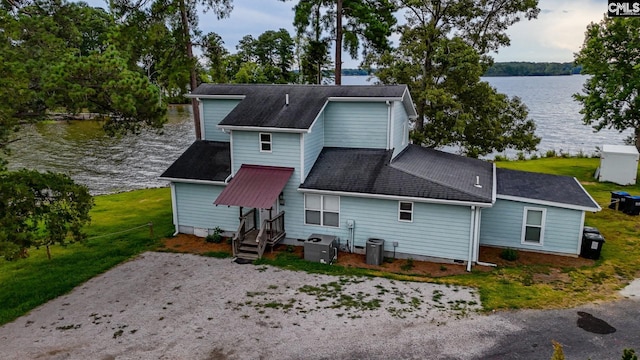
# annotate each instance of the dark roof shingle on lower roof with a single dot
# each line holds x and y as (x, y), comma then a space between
(465, 174)
(368, 171)
(545, 187)
(203, 160)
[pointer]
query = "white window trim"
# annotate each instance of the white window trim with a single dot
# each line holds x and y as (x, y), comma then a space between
(270, 142)
(542, 226)
(322, 211)
(405, 211)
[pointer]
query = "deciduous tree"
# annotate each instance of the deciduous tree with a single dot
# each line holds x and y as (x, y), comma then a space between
(40, 209)
(267, 59)
(443, 51)
(611, 55)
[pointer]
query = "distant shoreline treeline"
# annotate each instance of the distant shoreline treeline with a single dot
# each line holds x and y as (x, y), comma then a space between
(532, 69)
(512, 68)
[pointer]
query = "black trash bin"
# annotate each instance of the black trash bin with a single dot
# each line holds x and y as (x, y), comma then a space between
(618, 199)
(591, 245)
(632, 205)
(375, 251)
(589, 229)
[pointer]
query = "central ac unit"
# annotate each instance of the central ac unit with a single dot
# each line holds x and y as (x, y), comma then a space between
(321, 248)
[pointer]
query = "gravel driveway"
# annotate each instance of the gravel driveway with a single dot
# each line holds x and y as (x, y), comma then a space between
(180, 306)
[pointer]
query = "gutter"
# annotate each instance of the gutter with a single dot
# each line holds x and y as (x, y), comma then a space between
(395, 197)
(262, 129)
(219, 97)
(194, 181)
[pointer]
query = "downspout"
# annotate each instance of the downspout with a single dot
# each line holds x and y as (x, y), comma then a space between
(302, 155)
(476, 234)
(389, 126)
(174, 203)
(471, 237)
(231, 150)
(203, 135)
(580, 234)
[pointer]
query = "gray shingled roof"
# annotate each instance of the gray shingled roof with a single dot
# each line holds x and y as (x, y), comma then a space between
(369, 171)
(203, 160)
(545, 187)
(451, 170)
(264, 105)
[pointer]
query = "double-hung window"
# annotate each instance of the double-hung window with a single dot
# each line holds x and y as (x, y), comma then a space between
(533, 225)
(323, 210)
(405, 211)
(265, 142)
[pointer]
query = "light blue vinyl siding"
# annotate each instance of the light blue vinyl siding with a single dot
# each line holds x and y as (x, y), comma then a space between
(400, 118)
(313, 143)
(356, 125)
(214, 111)
(194, 203)
(501, 226)
(437, 230)
(285, 150)
(285, 153)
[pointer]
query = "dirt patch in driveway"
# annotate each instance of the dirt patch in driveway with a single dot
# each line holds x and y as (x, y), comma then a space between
(183, 306)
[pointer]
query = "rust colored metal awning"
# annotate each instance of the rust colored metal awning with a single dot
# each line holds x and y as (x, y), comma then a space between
(255, 186)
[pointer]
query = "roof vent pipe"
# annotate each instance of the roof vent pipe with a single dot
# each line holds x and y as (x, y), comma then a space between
(286, 99)
(477, 184)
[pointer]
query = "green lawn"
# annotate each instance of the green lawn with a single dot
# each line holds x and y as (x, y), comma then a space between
(617, 266)
(28, 283)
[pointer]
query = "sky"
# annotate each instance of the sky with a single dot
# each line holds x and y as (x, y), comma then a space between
(554, 36)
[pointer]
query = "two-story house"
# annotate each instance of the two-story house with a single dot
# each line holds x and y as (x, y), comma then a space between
(282, 162)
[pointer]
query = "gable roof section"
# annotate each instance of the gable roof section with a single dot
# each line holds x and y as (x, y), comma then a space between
(369, 171)
(264, 106)
(208, 161)
(544, 189)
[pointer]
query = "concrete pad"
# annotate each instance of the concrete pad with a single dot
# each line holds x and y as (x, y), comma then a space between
(632, 290)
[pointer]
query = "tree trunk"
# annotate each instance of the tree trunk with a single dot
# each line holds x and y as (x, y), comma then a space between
(193, 81)
(338, 74)
(637, 134)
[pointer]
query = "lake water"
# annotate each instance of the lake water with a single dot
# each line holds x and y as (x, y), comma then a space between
(106, 165)
(81, 149)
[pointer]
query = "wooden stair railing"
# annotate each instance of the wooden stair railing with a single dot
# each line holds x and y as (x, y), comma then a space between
(270, 233)
(247, 224)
